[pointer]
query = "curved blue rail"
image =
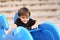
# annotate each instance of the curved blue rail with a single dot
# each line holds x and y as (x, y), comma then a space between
(3, 26)
(48, 31)
(19, 33)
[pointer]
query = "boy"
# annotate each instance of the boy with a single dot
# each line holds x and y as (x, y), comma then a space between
(25, 20)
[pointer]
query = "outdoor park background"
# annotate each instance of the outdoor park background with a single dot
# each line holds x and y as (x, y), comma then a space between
(43, 10)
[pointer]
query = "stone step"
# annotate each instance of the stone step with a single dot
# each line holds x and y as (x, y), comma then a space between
(31, 8)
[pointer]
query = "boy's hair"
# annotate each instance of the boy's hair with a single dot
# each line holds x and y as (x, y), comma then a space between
(23, 11)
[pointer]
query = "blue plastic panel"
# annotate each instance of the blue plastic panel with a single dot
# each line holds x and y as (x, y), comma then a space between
(48, 32)
(3, 22)
(3, 26)
(19, 33)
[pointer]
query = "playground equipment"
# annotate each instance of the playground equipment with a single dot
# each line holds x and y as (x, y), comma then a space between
(3, 26)
(45, 31)
(19, 33)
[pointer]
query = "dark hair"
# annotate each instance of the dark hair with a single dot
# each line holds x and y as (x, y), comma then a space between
(23, 11)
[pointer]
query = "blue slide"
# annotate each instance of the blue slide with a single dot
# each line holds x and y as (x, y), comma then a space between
(46, 31)
(20, 33)
(3, 26)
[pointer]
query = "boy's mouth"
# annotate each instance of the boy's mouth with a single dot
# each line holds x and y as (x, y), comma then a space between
(25, 21)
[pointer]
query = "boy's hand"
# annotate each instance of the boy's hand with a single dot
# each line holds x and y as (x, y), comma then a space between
(36, 24)
(14, 26)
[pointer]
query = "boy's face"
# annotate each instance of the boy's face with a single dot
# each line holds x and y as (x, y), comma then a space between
(24, 18)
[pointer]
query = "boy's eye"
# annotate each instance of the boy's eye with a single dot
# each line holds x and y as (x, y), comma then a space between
(25, 17)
